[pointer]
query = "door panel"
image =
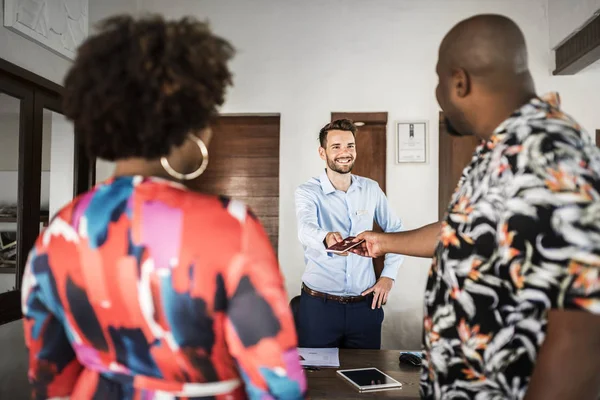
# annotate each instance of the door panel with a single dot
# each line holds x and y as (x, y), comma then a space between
(244, 165)
(27, 101)
(11, 251)
(455, 154)
(371, 153)
(17, 227)
(234, 186)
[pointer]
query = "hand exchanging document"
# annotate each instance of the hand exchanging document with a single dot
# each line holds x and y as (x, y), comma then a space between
(333, 238)
(372, 245)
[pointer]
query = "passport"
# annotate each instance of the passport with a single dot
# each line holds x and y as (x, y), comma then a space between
(343, 246)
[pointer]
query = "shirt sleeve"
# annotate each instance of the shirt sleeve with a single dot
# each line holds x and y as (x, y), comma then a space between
(260, 330)
(310, 233)
(550, 230)
(53, 366)
(387, 219)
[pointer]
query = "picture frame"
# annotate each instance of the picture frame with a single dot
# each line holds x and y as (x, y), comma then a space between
(411, 141)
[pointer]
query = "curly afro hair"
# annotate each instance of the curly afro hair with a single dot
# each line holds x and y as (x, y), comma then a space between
(138, 87)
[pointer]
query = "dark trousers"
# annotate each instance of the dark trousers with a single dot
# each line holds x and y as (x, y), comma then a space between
(327, 323)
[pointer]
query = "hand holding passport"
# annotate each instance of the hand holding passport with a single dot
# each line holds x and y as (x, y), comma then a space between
(343, 246)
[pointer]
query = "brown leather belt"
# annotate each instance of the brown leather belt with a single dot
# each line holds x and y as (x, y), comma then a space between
(339, 299)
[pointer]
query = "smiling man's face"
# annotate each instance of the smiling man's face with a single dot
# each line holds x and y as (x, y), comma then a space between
(339, 151)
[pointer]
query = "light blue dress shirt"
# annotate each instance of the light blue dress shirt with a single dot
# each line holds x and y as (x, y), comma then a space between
(321, 209)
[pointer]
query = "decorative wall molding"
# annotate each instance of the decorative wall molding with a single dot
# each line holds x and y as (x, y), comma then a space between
(59, 25)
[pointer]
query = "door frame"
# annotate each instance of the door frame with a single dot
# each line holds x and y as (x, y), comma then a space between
(35, 93)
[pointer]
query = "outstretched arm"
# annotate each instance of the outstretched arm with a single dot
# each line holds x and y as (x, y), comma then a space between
(310, 233)
(419, 242)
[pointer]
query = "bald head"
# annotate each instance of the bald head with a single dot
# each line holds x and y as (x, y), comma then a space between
(483, 74)
(485, 46)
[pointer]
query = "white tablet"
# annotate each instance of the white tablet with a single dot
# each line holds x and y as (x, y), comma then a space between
(369, 379)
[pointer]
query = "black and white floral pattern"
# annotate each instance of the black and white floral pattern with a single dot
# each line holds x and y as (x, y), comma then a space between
(521, 236)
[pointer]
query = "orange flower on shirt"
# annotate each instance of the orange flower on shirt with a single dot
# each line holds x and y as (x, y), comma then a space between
(471, 336)
(472, 375)
(587, 277)
(474, 274)
(515, 275)
(449, 236)
(560, 181)
(505, 241)
(512, 150)
(462, 209)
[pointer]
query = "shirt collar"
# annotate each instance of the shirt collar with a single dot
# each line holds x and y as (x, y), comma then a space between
(326, 184)
(535, 108)
(328, 188)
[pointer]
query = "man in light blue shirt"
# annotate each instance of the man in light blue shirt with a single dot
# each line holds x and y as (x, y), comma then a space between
(340, 305)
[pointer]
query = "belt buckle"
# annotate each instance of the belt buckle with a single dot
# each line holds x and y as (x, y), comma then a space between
(344, 300)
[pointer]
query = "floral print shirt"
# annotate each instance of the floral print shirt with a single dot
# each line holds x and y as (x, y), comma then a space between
(521, 236)
(140, 290)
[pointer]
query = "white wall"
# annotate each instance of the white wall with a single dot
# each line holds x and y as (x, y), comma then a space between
(62, 162)
(566, 17)
(7, 282)
(104, 170)
(304, 59)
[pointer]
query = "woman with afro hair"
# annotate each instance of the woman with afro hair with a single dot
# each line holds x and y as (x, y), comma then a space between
(142, 288)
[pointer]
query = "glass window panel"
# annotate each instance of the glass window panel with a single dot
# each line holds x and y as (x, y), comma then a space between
(9, 178)
(58, 162)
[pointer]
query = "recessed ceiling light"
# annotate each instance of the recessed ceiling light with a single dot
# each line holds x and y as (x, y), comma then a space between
(359, 123)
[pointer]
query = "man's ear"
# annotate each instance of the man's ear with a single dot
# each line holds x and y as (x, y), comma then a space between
(322, 153)
(461, 83)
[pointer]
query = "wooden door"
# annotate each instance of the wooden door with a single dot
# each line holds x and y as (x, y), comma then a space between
(244, 165)
(455, 154)
(371, 139)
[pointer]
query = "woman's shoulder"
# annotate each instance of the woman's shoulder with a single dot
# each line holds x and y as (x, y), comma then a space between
(159, 201)
(218, 205)
(190, 203)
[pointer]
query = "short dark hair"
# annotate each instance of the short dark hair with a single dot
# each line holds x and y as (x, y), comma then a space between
(138, 87)
(337, 125)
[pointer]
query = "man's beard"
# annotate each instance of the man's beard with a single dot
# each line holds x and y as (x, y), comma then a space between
(334, 167)
(451, 130)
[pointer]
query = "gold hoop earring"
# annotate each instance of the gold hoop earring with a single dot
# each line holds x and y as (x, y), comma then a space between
(192, 175)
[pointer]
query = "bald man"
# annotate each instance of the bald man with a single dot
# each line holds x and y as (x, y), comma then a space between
(512, 301)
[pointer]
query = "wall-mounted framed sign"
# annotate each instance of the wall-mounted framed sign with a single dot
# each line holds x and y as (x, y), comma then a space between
(411, 138)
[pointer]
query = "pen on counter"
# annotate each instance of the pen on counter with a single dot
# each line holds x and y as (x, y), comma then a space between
(311, 368)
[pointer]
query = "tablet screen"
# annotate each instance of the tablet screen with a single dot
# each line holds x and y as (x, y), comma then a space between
(369, 377)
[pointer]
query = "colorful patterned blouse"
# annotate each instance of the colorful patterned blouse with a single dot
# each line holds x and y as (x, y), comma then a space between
(521, 236)
(140, 289)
